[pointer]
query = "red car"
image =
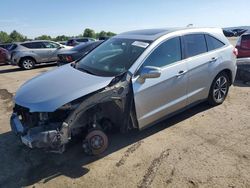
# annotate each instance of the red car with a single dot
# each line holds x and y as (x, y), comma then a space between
(243, 46)
(4, 56)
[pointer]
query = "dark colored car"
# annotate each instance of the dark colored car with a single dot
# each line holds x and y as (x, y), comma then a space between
(76, 41)
(228, 33)
(239, 32)
(76, 52)
(6, 46)
(104, 38)
(243, 46)
(4, 56)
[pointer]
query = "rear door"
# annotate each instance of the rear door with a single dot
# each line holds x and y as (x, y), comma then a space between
(158, 97)
(203, 54)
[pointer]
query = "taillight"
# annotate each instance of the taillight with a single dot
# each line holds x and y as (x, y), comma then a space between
(69, 58)
(235, 52)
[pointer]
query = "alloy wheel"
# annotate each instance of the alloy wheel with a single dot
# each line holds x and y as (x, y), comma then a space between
(220, 89)
(27, 64)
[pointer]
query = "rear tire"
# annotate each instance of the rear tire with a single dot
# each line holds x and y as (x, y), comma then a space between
(27, 63)
(219, 89)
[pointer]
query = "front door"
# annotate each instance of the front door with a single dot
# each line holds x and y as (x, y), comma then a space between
(158, 97)
(52, 51)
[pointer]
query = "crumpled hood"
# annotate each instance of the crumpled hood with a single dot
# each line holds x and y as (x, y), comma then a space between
(51, 90)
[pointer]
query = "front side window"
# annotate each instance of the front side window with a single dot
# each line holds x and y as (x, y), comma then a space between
(50, 45)
(213, 43)
(194, 44)
(112, 57)
(165, 54)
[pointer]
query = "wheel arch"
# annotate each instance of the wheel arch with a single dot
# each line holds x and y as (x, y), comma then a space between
(229, 74)
(30, 57)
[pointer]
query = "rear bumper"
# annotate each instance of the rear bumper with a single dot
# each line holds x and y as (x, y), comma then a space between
(243, 60)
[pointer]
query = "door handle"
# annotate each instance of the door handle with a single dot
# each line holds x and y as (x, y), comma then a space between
(180, 73)
(213, 59)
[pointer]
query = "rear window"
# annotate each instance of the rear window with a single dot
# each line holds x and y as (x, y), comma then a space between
(82, 40)
(194, 44)
(213, 43)
(89, 45)
(245, 41)
(33, 45)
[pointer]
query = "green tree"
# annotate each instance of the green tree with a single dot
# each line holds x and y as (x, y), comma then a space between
(4, 37)
(43, 37)
(89, 33)
(110, 34)
(17, 37)
(102, 34)
(61, 38)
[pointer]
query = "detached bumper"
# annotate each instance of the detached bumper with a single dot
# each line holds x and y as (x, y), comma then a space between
(38, 137)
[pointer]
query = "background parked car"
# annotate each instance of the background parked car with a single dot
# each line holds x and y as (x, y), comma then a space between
(76, 41)
(6, 46)
(243, 46)
(238, 32)
(4, 56)
(76, 52)
(228, 33)
(27, 54)
(104, 38)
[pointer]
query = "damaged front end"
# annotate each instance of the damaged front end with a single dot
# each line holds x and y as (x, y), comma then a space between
(89, 115)
(40, 130)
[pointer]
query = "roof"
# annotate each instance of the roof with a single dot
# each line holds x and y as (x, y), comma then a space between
(153, 34)
(149, 34)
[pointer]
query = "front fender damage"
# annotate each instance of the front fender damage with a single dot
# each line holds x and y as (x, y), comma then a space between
(119, 91)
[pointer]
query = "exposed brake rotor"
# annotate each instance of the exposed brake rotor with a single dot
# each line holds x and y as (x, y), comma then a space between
(95, 143)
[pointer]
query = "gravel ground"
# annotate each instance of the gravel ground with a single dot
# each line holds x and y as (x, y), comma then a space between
(201, 147)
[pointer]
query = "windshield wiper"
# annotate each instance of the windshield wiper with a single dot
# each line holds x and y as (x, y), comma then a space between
(85, 70)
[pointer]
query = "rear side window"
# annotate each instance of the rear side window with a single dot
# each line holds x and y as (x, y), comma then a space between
(213, 43)
(33, 45)
(194, 44)
(165, 54)
(245, 41)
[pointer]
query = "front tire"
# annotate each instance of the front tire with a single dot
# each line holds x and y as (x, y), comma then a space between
(219, 89)
(27, 63)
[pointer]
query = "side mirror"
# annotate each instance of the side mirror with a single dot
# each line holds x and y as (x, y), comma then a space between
(149, 72)
(59, 47)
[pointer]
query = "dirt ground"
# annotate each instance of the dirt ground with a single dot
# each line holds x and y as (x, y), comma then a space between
(201, 147)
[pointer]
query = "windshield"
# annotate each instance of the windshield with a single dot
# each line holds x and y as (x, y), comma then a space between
(113, 57)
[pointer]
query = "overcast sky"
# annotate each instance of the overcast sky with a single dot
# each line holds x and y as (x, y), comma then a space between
(70, 17)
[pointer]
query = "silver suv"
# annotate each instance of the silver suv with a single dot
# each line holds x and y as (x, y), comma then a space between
(27, 54)
(130, 81)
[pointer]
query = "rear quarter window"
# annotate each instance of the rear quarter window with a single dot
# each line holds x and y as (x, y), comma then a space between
(213, 43)
(194, 44)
